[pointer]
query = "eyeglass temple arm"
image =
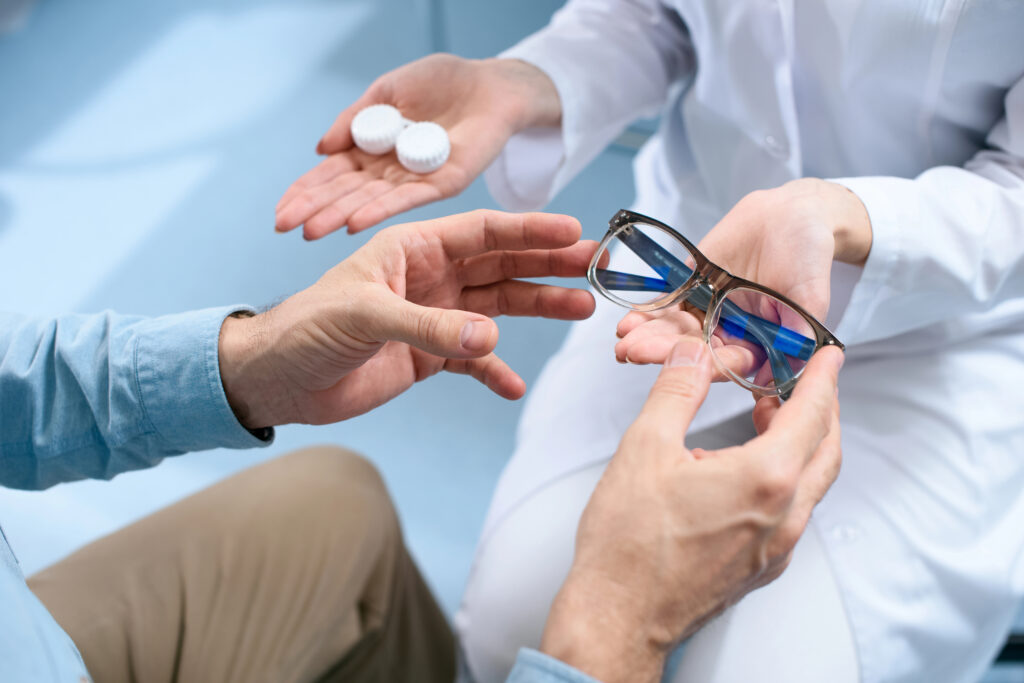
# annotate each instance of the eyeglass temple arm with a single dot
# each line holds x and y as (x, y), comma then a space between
(772, 337)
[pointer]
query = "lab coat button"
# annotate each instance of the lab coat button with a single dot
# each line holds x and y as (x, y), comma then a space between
(846, 533)
(775, 145)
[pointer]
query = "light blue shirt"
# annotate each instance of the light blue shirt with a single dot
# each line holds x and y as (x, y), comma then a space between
(91, 396)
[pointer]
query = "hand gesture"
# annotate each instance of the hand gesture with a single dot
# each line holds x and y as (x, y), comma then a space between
(413, 301)
(481, 104)
(672, 536)
(786, 239)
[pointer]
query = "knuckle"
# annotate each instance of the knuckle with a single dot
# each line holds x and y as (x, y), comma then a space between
(773, 485)
(680, 388)
(429, 326)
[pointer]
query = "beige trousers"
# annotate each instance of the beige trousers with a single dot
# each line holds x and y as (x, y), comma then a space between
(293, 570)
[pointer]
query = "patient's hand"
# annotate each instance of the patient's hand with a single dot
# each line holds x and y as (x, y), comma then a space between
(415, 300)
(672, 537)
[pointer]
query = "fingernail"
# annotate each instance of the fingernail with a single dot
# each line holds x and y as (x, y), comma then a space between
(687, 352)
(475, 335)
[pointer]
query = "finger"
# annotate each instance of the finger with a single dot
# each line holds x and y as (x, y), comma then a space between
(402, 198)
(336, 214)
(764, 412)
(815, 481)
(672, 325)
(631, 321)
(477, 232)
(803, 421)
(656, 350)
(309, 201)
(680, 388)
(338, 137)
(493, 373)
(440, 331)
(332, 166)
(510, 265)
(517, 298)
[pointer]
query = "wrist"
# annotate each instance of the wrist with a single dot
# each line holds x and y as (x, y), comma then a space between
(246, 373)
(535, 99)
(851, 226)
(598, 630)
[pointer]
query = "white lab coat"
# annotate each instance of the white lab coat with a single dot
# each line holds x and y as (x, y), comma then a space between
(918, 107)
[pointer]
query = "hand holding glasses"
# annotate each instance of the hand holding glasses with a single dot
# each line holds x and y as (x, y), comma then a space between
(656, 267)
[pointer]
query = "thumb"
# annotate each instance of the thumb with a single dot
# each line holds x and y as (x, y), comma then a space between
(338, 137)
(443, 332)
(681, 386)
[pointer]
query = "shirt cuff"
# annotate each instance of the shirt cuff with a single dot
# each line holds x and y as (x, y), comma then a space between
(537, 667)
(532, 167)
(890, 205)
(177, 375)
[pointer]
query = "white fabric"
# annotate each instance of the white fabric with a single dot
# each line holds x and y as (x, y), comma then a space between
(918, 107)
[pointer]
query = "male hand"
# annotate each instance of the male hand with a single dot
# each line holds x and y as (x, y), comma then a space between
(413, 301)
(672, 537)
(481, 103)
(786, 238)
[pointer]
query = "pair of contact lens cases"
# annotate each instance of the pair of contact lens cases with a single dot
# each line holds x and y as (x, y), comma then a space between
(422, 147)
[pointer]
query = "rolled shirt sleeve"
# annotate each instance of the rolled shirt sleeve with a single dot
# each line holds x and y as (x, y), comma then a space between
(947, 243)
(535, 667)
(91, 396)
(611, 62)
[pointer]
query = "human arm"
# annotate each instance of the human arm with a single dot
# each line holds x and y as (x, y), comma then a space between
(947, 243)
(671, 536)
(481, 103)
(92, 396)
(415, 300)
(611, 62)
(941, 246)
(561, 95)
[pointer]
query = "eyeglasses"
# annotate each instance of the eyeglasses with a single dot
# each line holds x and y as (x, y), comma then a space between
(769, 337)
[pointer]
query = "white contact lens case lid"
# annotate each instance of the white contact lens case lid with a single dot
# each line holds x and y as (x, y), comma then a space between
(423, 147)
(376, 128)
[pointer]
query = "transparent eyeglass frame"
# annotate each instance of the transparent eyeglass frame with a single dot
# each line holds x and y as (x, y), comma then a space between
(706, 287)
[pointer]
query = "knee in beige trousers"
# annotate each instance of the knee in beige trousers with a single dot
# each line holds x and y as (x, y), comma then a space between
(291, 571)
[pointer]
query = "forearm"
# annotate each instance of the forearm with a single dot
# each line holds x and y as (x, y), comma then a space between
(90, 396)
(594, 632)
(533, 100)
(610, 63)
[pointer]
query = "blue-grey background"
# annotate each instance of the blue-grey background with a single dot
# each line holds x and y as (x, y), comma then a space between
(143, 147)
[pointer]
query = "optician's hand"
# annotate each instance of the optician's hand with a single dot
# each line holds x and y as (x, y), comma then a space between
(481, 103)
(413, 301)
(786, 238)
(672, 537)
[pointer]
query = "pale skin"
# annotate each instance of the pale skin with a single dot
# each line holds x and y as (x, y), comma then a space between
(672, 536)
(410, 303)
(750, 503)
(785, 238)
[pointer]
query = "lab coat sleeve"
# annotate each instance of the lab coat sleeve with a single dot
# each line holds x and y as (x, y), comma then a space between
(90, 396)
(947, 243)
(611, 61)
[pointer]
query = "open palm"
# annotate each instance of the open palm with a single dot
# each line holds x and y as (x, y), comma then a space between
(419, 299)
(480, 103)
